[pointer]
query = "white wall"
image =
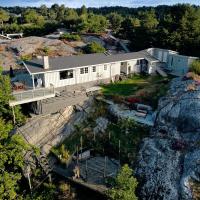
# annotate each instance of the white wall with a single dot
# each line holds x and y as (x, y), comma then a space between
(134, 67)
(161, 54)
(178, 64)
(54, 77)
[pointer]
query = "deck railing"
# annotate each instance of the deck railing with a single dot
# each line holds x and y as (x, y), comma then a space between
(31, 95)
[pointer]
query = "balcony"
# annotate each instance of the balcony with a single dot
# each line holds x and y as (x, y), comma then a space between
(28, 96)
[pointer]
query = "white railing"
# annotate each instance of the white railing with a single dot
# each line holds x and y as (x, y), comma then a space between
(31, 95)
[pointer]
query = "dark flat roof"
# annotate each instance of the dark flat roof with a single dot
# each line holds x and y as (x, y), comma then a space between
(35, 66)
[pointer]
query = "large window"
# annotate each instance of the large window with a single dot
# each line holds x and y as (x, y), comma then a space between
(66, 74)
(105, 67)
(84, 70)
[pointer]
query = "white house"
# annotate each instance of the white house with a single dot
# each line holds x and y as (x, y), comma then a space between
(45, 75)
(71, 70)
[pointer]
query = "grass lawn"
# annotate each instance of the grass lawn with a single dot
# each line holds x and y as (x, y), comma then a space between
(130, 86)
(148, 88)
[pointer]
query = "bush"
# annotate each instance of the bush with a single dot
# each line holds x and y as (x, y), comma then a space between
(31, 29)
(94, 47)
(46, 50)
(195, 67)
(71, 37)
(25, 57)
(62, 154)
(125, 185)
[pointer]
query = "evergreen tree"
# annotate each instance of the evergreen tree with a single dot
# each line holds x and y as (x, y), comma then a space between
(125, 185)
(4, 16)
(11, 162)
(5, 96)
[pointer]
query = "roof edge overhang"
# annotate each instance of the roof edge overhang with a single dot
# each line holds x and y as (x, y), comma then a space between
(78, 67)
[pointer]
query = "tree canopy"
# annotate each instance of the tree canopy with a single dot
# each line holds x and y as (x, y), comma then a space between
(31, 16)
(195, 67)
(94, 47)
(5, 96)
(125, 185)
(174, 27)
(4, 16)
(11, 162)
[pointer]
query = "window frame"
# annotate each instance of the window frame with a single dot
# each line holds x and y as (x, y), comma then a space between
(94, 69)
(84, 70)
(66, 74)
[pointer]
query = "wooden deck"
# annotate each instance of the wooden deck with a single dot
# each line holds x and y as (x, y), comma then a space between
(22, 97)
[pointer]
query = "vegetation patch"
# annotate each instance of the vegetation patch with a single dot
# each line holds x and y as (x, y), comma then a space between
(195, 67)
(94, 47)
(70, 37)
(147, 88)
(124, 185)
(195, 187)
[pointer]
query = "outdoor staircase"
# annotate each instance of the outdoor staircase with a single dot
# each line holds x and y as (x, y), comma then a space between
(161, 71)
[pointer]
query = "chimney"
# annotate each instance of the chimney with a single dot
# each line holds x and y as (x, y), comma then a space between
(46, 62)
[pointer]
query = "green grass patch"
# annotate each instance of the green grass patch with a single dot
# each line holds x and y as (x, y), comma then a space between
(70, 37)
(147, 88)
(129, 86)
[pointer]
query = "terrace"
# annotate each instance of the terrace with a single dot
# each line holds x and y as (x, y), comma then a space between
(28, 89)
(27, 96)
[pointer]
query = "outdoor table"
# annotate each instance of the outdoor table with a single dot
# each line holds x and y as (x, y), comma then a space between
(18, 86)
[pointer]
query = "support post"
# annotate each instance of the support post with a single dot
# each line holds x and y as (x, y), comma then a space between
(33, 82)
(86, 170)
(109, 135)
(77, 155)
(14, 118)
(29, 179)
(81, 146)
(110, 72)
(50, 180)
(119, 150)
(104, 174)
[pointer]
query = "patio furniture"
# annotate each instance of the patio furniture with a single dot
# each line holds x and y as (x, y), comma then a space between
(140, 114)
(18, 86)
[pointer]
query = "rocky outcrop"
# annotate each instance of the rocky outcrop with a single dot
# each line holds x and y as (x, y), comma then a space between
(49, 130)
(101, 125)
(170, 159)
(29, 45)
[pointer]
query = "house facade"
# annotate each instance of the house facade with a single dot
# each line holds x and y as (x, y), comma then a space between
(71, 70)
(45, 76)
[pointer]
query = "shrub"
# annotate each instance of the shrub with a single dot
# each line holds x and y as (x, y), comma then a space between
(94, 47)
(25, 57)
(125, 185)
(46, 50)
(195, 67)
(65, 155)
(71, 37)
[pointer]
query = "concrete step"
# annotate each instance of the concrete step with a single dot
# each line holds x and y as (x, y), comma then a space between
(161, 71)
